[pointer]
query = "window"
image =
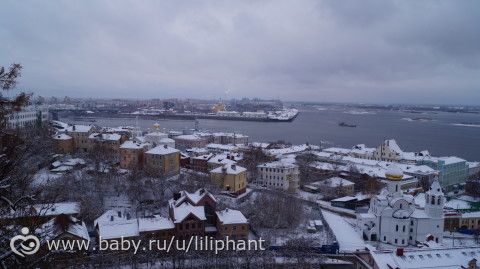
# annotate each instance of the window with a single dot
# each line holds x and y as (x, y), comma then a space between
(396, 228)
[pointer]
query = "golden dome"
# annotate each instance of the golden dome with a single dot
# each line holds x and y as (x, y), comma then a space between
(394, 173)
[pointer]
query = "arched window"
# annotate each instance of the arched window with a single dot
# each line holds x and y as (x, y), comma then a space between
(433, 200)
(396, 228)
(439, 199)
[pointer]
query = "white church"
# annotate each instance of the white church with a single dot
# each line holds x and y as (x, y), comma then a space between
(393, 218)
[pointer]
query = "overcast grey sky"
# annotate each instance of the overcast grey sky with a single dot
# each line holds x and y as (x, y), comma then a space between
(349, 51)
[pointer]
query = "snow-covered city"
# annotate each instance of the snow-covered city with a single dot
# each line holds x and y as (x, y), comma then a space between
(274, 134)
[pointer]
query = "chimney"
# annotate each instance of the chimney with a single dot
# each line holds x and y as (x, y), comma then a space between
(399, 252)
(176, 196)
(165, 146)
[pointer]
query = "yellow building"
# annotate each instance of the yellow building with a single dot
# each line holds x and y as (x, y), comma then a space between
(230, 177)
(163, 161)
(232, 223)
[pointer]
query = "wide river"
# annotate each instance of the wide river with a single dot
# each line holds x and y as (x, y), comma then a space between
(441, 133)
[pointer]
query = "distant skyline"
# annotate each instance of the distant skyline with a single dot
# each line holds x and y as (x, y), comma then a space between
(374, 51)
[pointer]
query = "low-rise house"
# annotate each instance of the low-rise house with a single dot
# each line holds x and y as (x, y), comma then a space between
(189, 214)
(190, 141)
(232, 224)
(336, 186)
(106, 141)
(80, 134)
(163, 161)
(63, 143)
(132, 154)
(278, 175)
(230, 138)
(231, 178)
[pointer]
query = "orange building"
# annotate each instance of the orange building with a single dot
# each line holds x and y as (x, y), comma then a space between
(132, 154)
(63, 143)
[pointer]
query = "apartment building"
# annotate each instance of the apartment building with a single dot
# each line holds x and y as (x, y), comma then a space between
(163, 161)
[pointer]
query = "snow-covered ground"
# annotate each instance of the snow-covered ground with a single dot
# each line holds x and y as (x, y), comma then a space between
(347, 237)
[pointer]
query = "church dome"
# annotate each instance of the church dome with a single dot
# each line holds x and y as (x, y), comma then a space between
(394, 173)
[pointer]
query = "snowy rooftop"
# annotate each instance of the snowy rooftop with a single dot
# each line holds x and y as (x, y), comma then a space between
(67, 208)
(184, 210)
(127, 228)
(61, 137)
(134, 145)
(231, 216)
(79, 128)
(229, 169)
(334, 182)
(228, 147)
(106, 137)
(292, 149)
(162, 150)
(154, 224)
(221, 159)
(192, 198)
(50, 230)
(189, 137)
(285, 163)
(446, 258)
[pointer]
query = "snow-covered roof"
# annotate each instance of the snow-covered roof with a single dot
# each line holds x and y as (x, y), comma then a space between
(227, 147)
(221, 159)
(334, 182)
(232, 169)
(458, 204)
(162, 150)
(188, 137)
(79, 128)
(184, 210)
(443, 258)
(194, 197)
(292, 149)
(260, 145)
(50, 230)
(61, 137)
(105, 137)
(134, 145)
(231, 216)
(112, 230)
(284, 163)
(154, 223)
(166, 140)
(67, 208)
(110, 216)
